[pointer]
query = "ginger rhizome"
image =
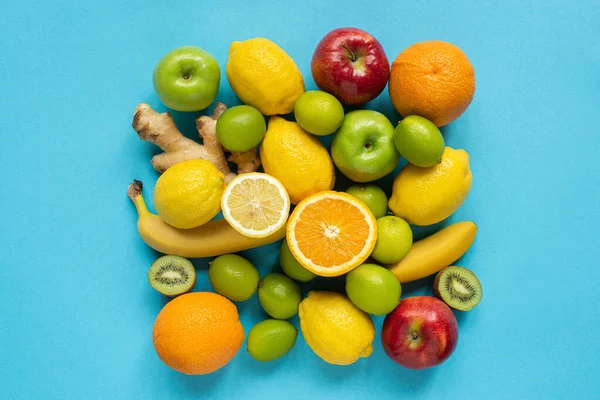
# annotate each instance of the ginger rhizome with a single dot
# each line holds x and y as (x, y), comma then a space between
(161, 130)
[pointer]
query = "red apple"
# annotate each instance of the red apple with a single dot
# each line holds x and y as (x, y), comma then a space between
(350, 64)
(421, 332)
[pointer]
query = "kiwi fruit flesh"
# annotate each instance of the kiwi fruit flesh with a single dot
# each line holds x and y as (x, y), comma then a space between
(458, 287)
(172, 275)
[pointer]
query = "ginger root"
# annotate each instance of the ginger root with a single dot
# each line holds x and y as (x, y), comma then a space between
(161, 130)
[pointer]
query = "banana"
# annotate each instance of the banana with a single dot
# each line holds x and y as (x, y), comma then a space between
(211, 239)
(435, 252)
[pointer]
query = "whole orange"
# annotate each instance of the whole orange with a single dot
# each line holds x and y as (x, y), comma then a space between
(432, 79)
(197, 333)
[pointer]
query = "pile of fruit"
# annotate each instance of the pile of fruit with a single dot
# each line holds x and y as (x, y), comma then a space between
(328, 233)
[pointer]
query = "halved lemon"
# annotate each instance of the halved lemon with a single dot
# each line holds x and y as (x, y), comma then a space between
(331, 233)
(255, 204)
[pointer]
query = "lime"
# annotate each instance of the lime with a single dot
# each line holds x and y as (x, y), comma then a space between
(419, 141)
(318, 112)
(291, 266)
(279, 296)
(394, 240)
(373, 196)
(271, 339)
(233, 277)
(373, 289)
(240, 128)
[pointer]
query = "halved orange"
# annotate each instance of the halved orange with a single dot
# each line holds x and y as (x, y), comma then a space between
(331, 233)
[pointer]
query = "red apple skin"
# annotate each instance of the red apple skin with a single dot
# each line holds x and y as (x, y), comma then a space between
(421, 332)
(352, 82)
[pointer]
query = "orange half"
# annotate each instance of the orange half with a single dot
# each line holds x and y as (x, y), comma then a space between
(331, 233)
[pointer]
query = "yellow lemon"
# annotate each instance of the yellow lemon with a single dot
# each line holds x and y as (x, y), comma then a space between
(188, 194)
(425, 196)
(335, 329)
(264, 76)
(298, 159)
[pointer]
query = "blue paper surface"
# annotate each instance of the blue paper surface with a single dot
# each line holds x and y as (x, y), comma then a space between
(76, 310)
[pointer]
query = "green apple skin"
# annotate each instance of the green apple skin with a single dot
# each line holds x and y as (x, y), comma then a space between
(187, 79)
(363, 148)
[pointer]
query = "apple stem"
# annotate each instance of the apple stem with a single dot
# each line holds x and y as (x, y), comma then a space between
(350, 53)
(415, 335)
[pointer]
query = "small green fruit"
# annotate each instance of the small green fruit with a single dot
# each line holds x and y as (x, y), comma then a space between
(241, 128)
(279, 296)
(187, 79)
(233, 277)
(363, 148)
(373, 289)
(271, 339)
(373, 196)
(394, 240)
(318, 112)
(291, 266)
(419, 141)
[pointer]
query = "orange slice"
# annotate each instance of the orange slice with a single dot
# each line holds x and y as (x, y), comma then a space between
(331, 233)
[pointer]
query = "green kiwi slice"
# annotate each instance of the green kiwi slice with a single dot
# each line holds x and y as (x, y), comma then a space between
(458, 287)
(172, 275)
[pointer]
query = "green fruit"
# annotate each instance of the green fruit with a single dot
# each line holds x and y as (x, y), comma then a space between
(363, 148)
(279, 296)
(271, 339)
(394, 240)
(187, 79)
(318, 112)
(419, 141)
(241, 128)
(291, 266)
(233, 277)
(172, 275)
(373, 196)
(458, 287)
(373, 289)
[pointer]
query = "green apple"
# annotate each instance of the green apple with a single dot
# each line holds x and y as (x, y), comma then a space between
(363, 148)
(187, 79)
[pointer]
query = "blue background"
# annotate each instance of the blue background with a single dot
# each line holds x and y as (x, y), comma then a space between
(76, 310)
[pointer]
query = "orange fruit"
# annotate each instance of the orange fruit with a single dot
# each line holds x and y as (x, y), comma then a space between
(197, 333)
(432, 79)
(331, 233)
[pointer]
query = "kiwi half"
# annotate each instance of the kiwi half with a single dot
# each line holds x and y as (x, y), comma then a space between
(172, 275)
(458, 287)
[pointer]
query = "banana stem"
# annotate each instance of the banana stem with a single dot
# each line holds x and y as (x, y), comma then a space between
(134, 191)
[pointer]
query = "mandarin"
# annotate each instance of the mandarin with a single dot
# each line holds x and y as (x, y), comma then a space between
(197, 333)
(433, 79)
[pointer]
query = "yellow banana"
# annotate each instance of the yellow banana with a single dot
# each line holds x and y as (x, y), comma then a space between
(435, 252)
(211, 239)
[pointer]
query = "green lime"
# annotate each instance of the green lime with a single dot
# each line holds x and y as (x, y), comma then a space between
(373, 289)
(291, 266)
(240, 128)
(279, 296)
(394, 240)
(271, 339)
(373, 196)
(318, 112)
(419, 141)
(233, 277)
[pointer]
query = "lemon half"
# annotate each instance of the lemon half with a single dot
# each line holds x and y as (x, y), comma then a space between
(255, 204)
